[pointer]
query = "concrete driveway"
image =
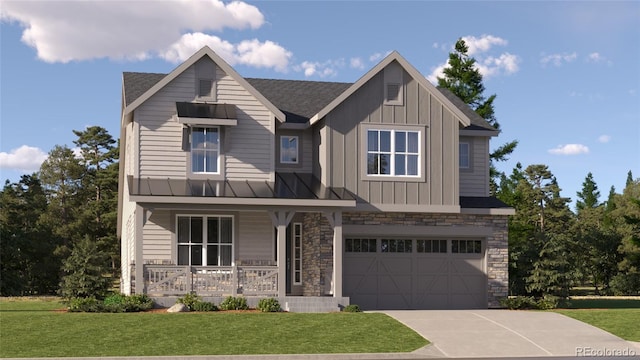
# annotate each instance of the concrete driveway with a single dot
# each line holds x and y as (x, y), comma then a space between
(505, 333)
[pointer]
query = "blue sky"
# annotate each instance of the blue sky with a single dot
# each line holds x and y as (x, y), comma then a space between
(566, 74)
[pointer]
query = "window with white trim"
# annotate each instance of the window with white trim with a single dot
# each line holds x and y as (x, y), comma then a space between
(464, 155)
(288, 149)
(205, 240)
(297, 253)
(393, 152)
(205, 150)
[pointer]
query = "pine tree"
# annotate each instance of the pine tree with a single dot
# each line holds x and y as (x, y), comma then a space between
(589, 195)
(463, 79)
(85, 271)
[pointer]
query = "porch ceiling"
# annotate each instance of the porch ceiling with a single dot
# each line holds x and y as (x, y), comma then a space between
(288, 189)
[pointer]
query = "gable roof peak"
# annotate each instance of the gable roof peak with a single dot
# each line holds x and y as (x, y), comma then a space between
(221, 63)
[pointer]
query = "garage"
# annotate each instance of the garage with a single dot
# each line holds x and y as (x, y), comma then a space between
(394, 273)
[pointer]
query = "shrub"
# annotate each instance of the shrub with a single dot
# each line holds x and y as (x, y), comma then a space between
(519, 303)
(189, 300)
(530, 303)
(195, 303)
(84, 304)
(114, 303)
(626, 284)
(352, 308)
(204, 306)
(547, 302)
(234, 303)
(269, 305)
(140, 301)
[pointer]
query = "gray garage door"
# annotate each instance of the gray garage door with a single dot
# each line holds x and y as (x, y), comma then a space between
(383, 273)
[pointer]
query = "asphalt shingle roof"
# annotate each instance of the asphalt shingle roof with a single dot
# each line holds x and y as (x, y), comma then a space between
(299, 100)
(136, 84)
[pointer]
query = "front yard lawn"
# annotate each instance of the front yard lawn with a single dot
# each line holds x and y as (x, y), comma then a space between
(32, 329)
(620, 322)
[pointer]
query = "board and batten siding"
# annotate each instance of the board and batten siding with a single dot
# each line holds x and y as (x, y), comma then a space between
(343, 144)
(248, 146)
(475, 180)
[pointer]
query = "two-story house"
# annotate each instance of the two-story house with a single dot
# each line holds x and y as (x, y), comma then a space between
(321, 194)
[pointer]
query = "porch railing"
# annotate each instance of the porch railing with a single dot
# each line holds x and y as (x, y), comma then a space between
(163, 280)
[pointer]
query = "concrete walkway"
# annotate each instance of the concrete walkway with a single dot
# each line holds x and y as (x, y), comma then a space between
(506, 333)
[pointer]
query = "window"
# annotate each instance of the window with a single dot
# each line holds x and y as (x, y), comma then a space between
(464, 155)
(360, 245)
(205, 240)
(432, 246)
(297, 253)
(289, 149)
(393, 152)
(205, 150)
(466, 246)
(396, 246)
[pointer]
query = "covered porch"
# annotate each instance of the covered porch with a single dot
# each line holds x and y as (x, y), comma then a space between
(265, 255)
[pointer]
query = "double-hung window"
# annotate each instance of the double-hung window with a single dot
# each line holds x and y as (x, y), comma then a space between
(393, 152)
(205, 150)
(205, 240)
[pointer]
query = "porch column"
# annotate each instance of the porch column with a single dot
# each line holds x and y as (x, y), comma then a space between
(280, 220)
(335, 220)
(138, 238)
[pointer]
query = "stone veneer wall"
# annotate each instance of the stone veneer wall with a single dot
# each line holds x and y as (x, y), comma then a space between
(318, 245)
(317, 255)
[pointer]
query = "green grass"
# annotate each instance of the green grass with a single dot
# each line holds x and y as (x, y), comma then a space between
(620, 322)
(607, 303)
(31, 329)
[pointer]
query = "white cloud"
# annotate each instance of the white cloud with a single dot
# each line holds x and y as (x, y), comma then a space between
(357, 63)
(558, 59)
(595, 57)
(82, 30)
(487, 62)
(482, 44)
(604, 139)
(24, 158)
(569, 149)
(325, 69)
(436, 72)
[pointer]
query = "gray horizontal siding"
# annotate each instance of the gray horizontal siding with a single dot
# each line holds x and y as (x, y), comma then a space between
(475, 181)
(248, 146)
(255, 237)
(156, 233)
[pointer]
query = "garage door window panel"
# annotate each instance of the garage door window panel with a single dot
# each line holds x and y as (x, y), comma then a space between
(396, 246)
(360, 245)
(432, 246)
(466, 246)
